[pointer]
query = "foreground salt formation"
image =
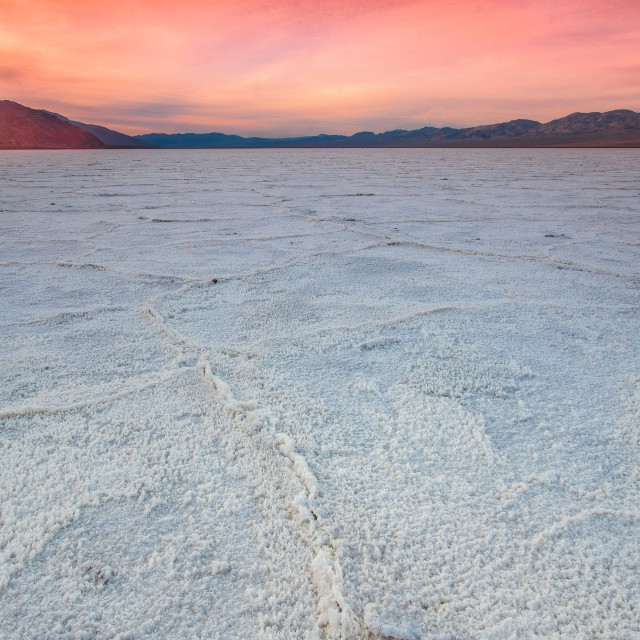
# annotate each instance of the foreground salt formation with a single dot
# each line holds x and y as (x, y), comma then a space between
(309, 394)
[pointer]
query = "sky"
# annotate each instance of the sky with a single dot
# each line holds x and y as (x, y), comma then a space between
(303, 67)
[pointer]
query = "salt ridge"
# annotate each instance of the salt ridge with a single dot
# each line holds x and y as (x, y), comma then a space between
(292, 413)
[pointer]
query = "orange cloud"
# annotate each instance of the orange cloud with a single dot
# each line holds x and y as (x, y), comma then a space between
(303, 66)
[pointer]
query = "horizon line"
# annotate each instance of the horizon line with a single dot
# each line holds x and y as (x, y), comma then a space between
(367, 131)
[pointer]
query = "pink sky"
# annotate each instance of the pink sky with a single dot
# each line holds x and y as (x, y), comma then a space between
(294, 67)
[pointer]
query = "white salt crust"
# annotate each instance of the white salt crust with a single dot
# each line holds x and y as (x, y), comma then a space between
(320, 394)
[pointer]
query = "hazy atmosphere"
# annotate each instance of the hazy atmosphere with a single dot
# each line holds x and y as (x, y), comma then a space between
(300, 67)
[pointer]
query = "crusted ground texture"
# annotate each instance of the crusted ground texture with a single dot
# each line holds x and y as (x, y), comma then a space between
(316, 394)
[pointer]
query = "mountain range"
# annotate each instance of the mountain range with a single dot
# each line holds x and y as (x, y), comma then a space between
(25, 128)
(108, 137)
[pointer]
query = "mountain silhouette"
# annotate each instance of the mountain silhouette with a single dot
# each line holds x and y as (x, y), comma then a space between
(107, 136)
(25, 128)
(620, 128)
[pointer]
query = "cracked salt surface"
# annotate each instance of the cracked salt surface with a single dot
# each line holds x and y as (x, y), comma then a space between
(291, 412)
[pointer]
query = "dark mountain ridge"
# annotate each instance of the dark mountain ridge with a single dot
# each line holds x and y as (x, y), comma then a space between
(108, 137)
(619, 128)
(25, 128)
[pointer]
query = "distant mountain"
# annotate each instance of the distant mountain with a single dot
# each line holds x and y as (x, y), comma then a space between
(620, 128)
(25, 128)
(108, 137)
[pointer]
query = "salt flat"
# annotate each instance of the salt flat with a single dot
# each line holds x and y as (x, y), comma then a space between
(320, 394)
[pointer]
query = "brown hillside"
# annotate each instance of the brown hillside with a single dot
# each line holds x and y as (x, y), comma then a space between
(25, 128)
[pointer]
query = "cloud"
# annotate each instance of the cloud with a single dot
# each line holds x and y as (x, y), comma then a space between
(11, 75)
(258, 66)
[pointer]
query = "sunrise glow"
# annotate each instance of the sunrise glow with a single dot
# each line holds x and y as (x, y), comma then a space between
(302, 67)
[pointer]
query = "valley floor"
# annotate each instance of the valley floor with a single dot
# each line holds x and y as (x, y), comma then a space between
(320, 394)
